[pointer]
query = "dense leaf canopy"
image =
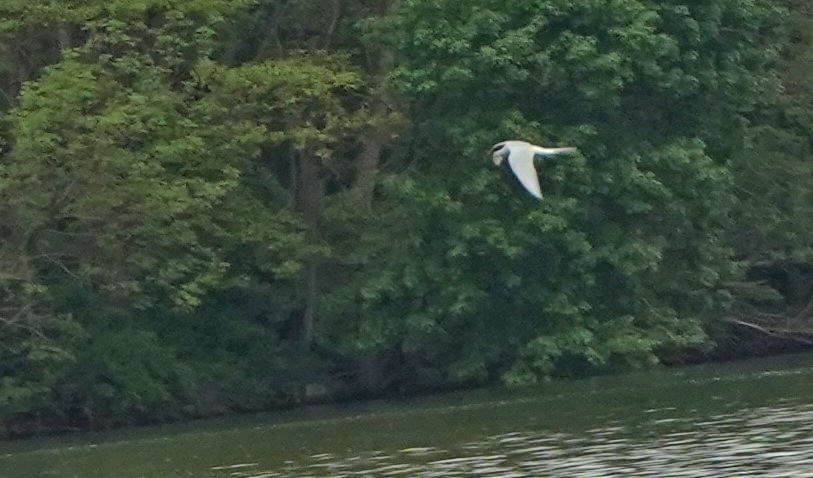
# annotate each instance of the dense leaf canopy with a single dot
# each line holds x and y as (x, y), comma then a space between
(217, 205)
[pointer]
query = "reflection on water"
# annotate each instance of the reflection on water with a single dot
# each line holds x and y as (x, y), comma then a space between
(736, 420)
(765, 441)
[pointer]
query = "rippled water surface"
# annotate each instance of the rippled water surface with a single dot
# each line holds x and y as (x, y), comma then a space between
(748, 419)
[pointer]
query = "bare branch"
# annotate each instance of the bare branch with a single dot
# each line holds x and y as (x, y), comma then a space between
(334, 21)
(772, 333)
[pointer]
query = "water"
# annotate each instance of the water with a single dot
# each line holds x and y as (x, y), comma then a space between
(747, 419)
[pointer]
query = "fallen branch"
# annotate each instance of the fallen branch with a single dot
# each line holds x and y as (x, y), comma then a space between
(766, 331)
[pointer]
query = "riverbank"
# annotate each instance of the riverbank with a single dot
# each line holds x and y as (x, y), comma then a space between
(740, 352)
(712, 407)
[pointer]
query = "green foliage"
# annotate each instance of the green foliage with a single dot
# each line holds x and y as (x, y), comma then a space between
(172, 173)
(774, 179)
(134, 193)
(301, 99)
(624, 258)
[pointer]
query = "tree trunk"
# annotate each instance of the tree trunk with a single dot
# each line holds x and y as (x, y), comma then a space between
(367, 166)
(381, 122)
(64, 37)
(309, 193)
(272, 39)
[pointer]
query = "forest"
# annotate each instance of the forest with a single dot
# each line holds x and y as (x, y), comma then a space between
(220, 206)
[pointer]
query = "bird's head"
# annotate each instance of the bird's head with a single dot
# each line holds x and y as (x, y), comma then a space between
(499, 153)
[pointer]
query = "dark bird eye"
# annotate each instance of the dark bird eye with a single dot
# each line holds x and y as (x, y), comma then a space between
(496, 147)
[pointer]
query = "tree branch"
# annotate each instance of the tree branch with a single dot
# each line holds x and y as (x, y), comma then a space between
(334, 21)
(761, 329)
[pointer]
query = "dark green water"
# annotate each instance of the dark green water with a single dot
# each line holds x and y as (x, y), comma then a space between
(746, 419)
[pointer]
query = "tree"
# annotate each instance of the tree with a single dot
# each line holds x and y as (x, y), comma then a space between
(773, 217)
(625, 258)
(209, 205)
(131, 189)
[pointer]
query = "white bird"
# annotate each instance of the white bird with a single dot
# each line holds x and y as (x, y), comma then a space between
(520, 156)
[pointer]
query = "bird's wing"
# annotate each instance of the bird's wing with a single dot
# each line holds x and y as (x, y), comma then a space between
(552, 151)
(521, 160)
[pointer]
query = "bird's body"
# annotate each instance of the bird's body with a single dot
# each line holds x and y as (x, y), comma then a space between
(520, 158)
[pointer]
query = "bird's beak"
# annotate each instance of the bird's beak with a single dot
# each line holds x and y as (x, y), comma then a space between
(497, 158)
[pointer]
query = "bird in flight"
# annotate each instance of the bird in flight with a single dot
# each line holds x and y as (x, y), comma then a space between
(520, 158)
